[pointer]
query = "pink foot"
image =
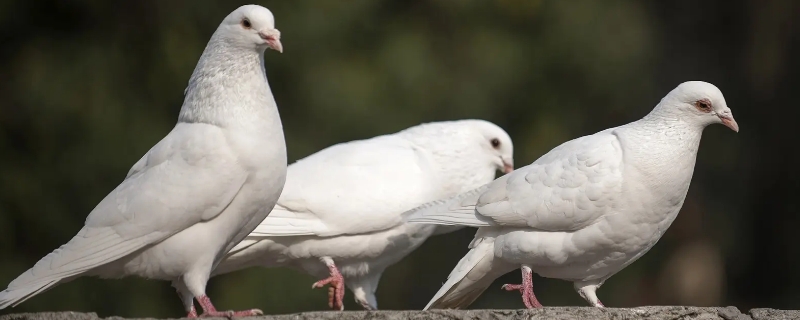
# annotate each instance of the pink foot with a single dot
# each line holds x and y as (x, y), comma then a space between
(336, 291)
(210, 311)
(192, 313)
(526, 288)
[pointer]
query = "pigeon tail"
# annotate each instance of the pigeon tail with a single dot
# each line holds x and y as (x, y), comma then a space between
(458, 210)
(471, 276)
(90, 248)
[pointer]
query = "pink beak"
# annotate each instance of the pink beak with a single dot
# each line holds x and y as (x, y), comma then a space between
(729, 122)
(508, 167)
(273, 39)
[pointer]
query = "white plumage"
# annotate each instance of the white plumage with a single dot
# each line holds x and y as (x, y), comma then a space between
(586, 209)
(198, 191)
(342, 206)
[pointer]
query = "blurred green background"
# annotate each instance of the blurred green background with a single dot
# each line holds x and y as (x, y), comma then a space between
(88, 86)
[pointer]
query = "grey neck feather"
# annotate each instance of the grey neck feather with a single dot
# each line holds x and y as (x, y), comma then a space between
(229, 88)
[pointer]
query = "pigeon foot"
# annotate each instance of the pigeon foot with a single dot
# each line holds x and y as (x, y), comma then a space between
(210, 311)
(526, 288)
(336, 290)
(192, 313)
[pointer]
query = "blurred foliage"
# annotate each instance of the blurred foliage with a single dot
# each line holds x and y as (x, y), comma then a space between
(88, 86)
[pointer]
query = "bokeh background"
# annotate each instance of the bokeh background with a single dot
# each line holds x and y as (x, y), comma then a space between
(88, 86)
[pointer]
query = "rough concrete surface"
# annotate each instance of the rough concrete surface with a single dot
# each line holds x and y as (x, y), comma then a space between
(774, 314)
(566, 313)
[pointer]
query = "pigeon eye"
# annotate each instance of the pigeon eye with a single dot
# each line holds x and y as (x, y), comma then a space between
(703, 105)
(246, 23)
(495, 143)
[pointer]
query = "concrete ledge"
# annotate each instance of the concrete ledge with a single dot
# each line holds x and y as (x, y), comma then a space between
(554, 313)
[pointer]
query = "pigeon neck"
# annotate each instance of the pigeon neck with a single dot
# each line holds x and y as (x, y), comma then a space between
(229, 88)
(664, 131)
(673, 117)
(663, 148)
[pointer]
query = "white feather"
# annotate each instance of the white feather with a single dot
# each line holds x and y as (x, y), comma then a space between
(346, 201)
(197, 192)
(586, 209)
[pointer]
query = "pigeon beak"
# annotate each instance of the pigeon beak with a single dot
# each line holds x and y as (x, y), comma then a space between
(273, 39)
(508, 165)
(728, 121)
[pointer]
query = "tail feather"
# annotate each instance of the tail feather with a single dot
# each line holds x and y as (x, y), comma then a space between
(457, 210)
(471, 276)
(21, 296)
(90, 248)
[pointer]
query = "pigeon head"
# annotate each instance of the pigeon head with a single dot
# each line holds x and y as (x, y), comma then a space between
(497, 144)
(251, 27)
(482, 144)
(701, 103)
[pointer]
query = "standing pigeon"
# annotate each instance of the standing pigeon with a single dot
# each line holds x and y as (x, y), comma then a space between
(196, 193)
(339, 217)
(586, 209)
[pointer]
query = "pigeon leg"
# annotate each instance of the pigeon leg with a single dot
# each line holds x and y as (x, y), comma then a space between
(526, 288)
(210, 311)
(336, 281)
(191, 312)
(195, 283)
(364, 287)
(363, 298)
(186, 298)
(588, 290)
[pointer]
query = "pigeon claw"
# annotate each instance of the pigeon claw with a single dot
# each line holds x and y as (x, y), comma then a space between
(367, 307)
(511, 287)
(526, 288)
(528, 298)
(335, 291)
(216, 314)
(210, 311)
(192, 313)
(233, 314)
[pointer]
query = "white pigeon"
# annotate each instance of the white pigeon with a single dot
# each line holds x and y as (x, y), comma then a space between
(198, 191)
(340, 213)
(586, 209)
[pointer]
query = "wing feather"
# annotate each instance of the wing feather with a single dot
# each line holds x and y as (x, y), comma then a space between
(188, 177)
(566, 189)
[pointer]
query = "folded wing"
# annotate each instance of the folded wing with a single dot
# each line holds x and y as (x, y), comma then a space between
(351, 188)
(566, 189)
(188, 177)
